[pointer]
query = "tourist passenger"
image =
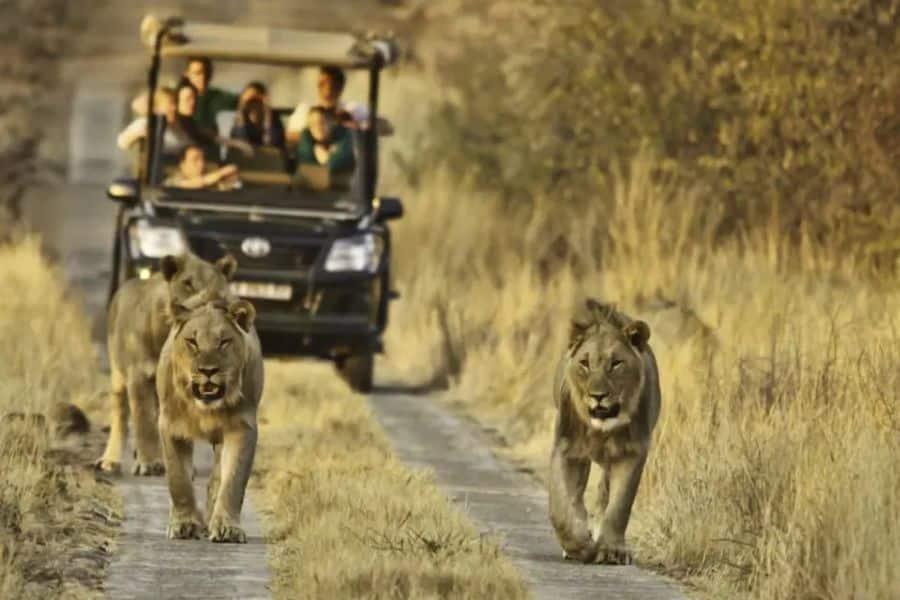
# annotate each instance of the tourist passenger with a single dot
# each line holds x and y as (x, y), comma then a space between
(192, 172)
(326, 142)
(255, 121)
(164, 104)
(210, 100)
(329, 88)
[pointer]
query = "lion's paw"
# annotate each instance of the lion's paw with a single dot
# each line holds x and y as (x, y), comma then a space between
(584, 553)
(112, 467)
(185, 527)
(613, 555)
(226, 531)
(148, 469)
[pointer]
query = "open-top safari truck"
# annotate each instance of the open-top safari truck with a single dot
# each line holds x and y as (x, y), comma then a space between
(313, 248)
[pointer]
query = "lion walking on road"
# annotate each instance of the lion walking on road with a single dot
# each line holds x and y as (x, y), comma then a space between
(209, 382)
(607, 396)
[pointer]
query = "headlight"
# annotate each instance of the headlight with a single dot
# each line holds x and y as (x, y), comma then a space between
(154, 241)
(360, 253)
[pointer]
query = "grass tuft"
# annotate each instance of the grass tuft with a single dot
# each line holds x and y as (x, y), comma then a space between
(345, 518)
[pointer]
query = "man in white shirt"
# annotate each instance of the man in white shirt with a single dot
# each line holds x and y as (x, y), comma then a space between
(329, 88)
(352, 115)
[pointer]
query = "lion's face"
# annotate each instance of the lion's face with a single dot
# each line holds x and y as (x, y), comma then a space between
(606, 376)
(210, 351)
(193, 281)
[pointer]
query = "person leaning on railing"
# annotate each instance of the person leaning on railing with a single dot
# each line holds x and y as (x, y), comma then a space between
(325, 142)
(193, 172)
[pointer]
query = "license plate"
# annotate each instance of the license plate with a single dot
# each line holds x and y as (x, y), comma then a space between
(264, 291)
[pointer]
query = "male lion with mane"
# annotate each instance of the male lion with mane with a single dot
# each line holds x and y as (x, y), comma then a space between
(607, 396)
(209, 382)
(138, 323)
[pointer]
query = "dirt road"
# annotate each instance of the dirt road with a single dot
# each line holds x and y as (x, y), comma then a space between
(503, 502)
(148, 565)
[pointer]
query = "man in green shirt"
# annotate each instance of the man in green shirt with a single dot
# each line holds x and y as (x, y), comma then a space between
(210, 100)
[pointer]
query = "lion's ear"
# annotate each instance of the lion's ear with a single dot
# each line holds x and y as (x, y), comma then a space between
(637, 333)
(243, 314)
(585, 316)
(170, 265)
(227, 265)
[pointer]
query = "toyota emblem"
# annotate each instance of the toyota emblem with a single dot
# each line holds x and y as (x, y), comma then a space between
(256, 247)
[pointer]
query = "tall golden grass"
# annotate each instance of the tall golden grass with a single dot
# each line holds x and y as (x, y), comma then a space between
(775, 471)
(46, 357)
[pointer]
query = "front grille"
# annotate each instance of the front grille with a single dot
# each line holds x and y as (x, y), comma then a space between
(284, 255)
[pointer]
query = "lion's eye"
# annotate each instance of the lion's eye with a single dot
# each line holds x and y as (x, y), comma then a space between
(188, 284)
(585, 363)
(224, 343)
(615, 364)
(192, 344)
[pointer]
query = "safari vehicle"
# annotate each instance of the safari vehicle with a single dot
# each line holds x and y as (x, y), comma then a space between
(313, 249)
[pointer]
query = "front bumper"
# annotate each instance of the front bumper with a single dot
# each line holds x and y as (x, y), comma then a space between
(327, 314)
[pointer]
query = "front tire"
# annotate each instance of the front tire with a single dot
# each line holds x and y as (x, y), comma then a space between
(358, 371)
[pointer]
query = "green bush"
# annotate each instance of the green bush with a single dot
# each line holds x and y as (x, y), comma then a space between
(792, 104)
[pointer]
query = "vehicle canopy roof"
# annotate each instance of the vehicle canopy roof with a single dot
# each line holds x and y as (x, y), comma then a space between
(270, 45)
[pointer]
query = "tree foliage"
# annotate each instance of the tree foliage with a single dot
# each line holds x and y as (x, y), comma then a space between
(793, 104)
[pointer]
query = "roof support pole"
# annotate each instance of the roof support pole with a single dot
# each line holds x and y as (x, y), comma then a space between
(371, 139)
(152, 81)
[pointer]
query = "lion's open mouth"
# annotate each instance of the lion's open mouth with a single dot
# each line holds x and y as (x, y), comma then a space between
(208, 392)
(606, 412)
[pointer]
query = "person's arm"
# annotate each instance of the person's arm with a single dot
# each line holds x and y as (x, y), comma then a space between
(306, 149)
(204, 181)
(361, 120)
(274, 135)
(225, 100)
(239, 129)
(297, 123)
(132, 133)
(342, 159)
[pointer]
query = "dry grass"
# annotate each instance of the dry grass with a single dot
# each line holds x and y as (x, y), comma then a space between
(50, 543)
(345, 518)
(776, 467)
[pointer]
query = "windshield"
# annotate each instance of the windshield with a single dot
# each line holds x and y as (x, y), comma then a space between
(300, 139)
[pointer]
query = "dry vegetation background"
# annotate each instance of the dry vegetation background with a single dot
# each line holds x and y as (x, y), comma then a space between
(52, 512)
(33, 36)
(725, 170)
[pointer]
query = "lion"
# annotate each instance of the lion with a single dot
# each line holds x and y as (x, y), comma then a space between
(138, 323)
(209, 382)
(608, 400)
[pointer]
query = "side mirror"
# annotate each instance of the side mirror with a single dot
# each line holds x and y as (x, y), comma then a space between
(387, 208)
(123, 190)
